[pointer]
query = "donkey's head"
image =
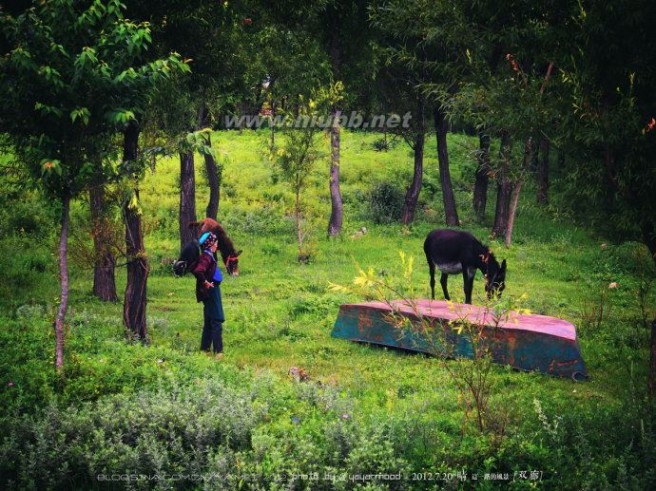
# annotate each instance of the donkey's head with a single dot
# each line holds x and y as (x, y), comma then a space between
(495, 279)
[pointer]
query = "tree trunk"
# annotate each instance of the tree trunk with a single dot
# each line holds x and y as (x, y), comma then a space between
(63, 283)
(212, 170)
(516, 187)
(134, 305)
(337, 209)
(335, 53)
(187, 197)
(412, 194)
(441, 129)
(297, 220)
(543, 172)
(104, 278)
(504, 188)
(482, 176)
(272, 140)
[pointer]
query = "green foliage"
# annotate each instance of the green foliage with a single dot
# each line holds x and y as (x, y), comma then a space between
(80, 74)
(295, 159)
(385, 203)
(26, 263)
(144, 434)
(127, 408)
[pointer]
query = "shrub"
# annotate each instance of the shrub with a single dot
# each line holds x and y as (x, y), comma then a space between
(381, 145)
(385, 203)
(145, 434)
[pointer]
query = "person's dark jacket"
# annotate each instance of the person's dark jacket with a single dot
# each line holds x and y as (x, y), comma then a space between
(204, 271)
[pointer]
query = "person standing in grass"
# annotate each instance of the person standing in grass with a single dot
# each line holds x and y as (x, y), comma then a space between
(208, 280)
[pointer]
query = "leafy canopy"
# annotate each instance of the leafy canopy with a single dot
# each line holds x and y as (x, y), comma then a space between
(72, 74)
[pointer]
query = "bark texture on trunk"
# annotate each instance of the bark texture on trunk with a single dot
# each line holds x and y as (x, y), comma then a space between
(337, 208)
(504, 188)
(212, 170)
(516, 190)
(412, 194)
(543, 172)
(63, 284)
(187, 212)
(135, 301)
(482, 176)
(335, 53)
(448, 198)
(104, 269)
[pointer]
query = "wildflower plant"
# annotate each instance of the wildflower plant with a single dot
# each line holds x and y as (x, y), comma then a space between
(466, 345)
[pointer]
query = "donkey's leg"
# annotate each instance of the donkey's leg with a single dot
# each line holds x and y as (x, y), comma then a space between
(431, 271)
(468, 278)
(443, 280)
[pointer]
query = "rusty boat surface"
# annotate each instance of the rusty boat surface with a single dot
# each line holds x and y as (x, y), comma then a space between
(523, 341)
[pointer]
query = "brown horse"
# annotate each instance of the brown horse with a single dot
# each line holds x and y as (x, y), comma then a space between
(228, 252)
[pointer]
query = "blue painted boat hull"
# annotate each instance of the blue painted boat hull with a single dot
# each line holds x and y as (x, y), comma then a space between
(525, 342)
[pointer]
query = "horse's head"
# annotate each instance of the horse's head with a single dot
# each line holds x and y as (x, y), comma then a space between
(227, 250)
(495, 279)
(232, 263)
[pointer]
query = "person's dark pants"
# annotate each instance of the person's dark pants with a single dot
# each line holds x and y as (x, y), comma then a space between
(213, 322)
(212, 336)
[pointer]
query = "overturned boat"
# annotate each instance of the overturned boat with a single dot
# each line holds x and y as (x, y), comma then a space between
(523, 341)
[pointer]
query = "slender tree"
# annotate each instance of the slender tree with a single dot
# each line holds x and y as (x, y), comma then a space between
(425, 37)
(448, 198)
(187, 195)
(66, 86)
(412, 193)
(135, 301)
(482, 174)
(347, 35)
(296, 158)
(104, 277)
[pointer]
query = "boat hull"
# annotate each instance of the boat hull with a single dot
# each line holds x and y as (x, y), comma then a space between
(526, 342)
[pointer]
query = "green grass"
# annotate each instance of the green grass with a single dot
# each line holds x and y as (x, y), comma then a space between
(280, 315)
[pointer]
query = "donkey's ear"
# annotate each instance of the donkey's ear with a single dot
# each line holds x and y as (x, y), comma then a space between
(503, 265)
(239, 253)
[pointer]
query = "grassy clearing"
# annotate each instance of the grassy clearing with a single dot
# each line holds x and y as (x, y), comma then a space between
(280, 315)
